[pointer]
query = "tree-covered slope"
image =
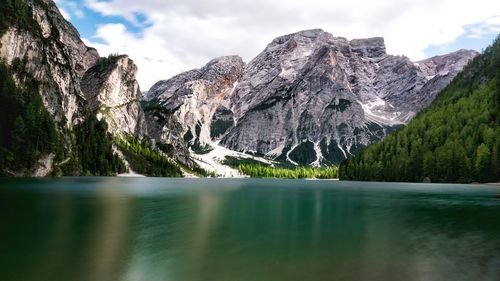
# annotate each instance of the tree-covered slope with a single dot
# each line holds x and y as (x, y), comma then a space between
(27, 130)
(455, 139)
(28, 133)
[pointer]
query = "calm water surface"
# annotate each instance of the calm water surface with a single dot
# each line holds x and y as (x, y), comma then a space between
(220, 229)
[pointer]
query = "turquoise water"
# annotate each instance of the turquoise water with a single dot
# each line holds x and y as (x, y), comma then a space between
(253, 229)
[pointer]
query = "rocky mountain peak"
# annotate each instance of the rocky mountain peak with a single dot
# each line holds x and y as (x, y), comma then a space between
(308, 98)
(227, 69)
(443, 64)
(370, 48)
(191, 99)
(223, 66)
(313, 98)
(54, 55)
(301, 37)
(111, 89)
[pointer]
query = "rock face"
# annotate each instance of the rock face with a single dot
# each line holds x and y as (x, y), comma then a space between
(111, 89)
(71, 83)
(309, 98)
(73, 80)
(190, 100)
(55, 56)
(440, 71)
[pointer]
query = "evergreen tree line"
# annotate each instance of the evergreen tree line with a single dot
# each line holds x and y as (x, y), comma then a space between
(144, 160)
(455, 140)
(94, 147)
(27, 130)
(263, 171)
(256, 169)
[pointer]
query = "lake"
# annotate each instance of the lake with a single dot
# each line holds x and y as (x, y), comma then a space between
(246, 229)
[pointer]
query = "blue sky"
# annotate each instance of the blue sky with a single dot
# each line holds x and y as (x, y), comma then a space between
(165, 37)
(87, 20)
(469, 40)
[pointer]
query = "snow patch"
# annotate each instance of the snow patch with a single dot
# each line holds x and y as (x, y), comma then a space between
(130, 172)
(288, 73)
(277, 151)
(288, 155)
(213, 161)
(319, 155)
(341, 149)
(376, 113)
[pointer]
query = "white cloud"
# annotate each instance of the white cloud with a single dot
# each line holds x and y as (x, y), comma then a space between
(75, 9)
(479, 30)
(69, 8)
(148, 51)
(65, 14)
(181, 35)
(63, 11)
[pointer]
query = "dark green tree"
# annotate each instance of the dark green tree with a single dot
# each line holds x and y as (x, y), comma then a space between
(455, 139)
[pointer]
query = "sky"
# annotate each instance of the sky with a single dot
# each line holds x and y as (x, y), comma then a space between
(167, 37)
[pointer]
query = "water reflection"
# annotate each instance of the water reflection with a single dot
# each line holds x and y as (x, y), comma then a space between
(108, 229)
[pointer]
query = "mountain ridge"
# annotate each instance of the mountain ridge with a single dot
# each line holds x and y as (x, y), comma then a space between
(455, 139)
(92, 103)
(269, 110)
(308, 99)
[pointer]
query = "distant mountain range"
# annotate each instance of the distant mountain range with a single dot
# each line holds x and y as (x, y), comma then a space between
(308, 99)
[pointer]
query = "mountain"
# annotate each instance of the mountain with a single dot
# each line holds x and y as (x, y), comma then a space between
(187, 103)
(455, 139)
(66, 110)
(309, 98)
(111, 89)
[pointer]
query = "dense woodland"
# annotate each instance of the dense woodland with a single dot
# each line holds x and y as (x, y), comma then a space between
(27, 131)
(144, 160)
(94, 146)
(261, 171)
(258, 169)
(456, 139)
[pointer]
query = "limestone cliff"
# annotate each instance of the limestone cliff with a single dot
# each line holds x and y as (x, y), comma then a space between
(111, 90)
(44, 51)
(309, 98)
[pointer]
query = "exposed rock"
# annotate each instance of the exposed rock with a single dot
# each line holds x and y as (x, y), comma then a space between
(45, 166)
(440, 71)
(308, 98)
(56, 58)
(48, 52)
(111, 89)
(311, 98)
(64, 66)
(191, 100)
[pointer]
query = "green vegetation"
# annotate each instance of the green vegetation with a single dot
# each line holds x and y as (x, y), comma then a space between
(258, 169)
(16, 13)
(456, 139)
(27, 131)
(261, 171)
(145, 160)
(95, 150)
(105, 63)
